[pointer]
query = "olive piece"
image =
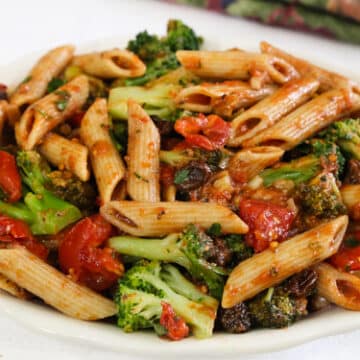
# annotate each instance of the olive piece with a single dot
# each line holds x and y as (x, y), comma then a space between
(195, 174)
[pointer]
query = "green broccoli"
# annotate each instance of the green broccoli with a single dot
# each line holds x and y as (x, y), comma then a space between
(119, 135)
(189, 249)
(320, 153)
(159, 54)
(41, 209)
(321, 197)
(147, 285)
(346, 134)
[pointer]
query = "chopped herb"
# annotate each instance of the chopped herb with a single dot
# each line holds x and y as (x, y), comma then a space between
(352, 242)
(54, 84)
(181, 176)
(214, 230)
(43, 113)
(140, 177)
(63, 100)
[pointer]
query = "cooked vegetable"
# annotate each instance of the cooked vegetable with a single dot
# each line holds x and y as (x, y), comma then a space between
(236, 319)
(10, 181)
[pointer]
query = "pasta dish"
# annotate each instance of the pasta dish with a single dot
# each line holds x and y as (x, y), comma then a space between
(181, 190)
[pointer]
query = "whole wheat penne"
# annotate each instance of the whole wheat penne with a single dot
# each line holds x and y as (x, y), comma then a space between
(235, 65)
(143, 155)
(306, 120)
(49, 66)
(111, 64)
(328, 80)
(350, 194)
(340, 288)
(107, 165)
(247, 163)
(270, 267)
(161, 218)
(222, 98)
(11, 288)
(67, 154)
(57, 290)
(268, 111)
(45, 114)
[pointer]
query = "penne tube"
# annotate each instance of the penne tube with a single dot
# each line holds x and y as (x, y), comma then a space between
(31, 273)
(268, 111)
(271, 267)
(162, 218)
(169, 193)
(339, 288)
(3, 116)
(247, 163)
(328, 80)
(107, 165)
(11, 288)
(178, 76)
(350, 194)
(143, 155)
(48, 67)
(235, 65)
(221, 98)
(66, 154)
(45, 114)
(308, 119)
(111, 64)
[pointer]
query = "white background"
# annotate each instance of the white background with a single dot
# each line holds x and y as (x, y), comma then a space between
(28, 26)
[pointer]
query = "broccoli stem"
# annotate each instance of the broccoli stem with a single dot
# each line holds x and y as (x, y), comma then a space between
(17, 211)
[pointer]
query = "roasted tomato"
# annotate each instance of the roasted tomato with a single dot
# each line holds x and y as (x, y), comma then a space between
(175, 326)
(209, 133)
(17, 232)
(267, 222)
(81, 256)
(10, 180)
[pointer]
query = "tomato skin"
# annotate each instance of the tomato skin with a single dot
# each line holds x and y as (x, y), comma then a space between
(267, 222)
(175, 326)
(10, 180)
(17, 232)
(209, 133)
(81, 257)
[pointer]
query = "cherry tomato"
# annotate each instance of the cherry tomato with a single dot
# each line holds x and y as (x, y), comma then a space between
(208, 133)
(80, 254)
(348, 256)
(267, 222)
(175, 326)
(10, 180)
(17, 232)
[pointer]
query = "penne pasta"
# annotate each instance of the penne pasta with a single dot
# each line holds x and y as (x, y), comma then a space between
(247, 163)
(108, 167)
(48, 67)
(111, 64)
(161, 218)
(169, 193)
(222, 98)
(350, 195)
(270, 267)
(3, 116)
(235, 65)
(66, 154)
(340, 288)
(309, 118)
(268, 111)
(37, 277)
(143, 155)
(328, 80)
(45, 114)
(11, 288)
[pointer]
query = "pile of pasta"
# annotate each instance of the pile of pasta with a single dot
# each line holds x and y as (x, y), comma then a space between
(271, 102)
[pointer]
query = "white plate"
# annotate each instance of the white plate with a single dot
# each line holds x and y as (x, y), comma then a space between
(330, 322)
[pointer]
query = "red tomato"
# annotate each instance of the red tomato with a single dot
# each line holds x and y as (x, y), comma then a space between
(10, 180)
(80, 254)
(208, 133)
(17, 232)
(175, 326)
(348, 256)
(267, 222)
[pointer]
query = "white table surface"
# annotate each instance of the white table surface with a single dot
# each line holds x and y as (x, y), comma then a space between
(28, 26)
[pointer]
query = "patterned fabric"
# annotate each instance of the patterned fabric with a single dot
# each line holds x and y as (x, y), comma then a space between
(339, 19)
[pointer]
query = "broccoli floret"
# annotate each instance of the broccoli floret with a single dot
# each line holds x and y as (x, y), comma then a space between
(119, 135)
(189, 249)
(346, 134)
(41, 209)
(239, 249)
(320, 154)
(147, 285)
(321, 197)
(157, 101)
